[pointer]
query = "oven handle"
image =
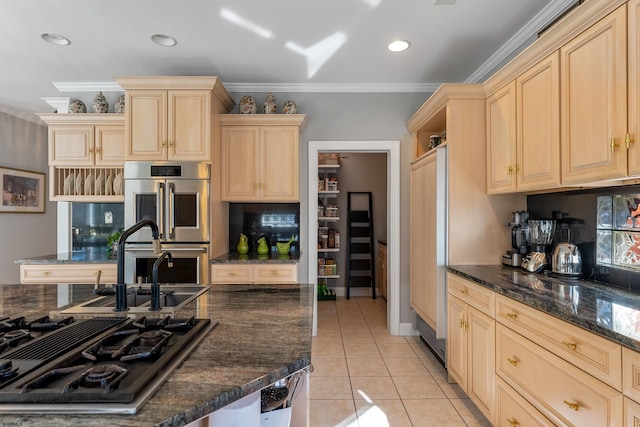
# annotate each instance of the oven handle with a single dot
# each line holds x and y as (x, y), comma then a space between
(172, 219)
(160, 208)
(172, 249)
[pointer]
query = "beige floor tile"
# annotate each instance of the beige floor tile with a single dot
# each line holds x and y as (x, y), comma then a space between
(451, 390)
(373, 388)
(333, 413)
(433, 413)
(330, 388)
(405, 367)
(382, 413)
(434, 366)
(470, 413)
(396, 351)
(414, 387)
(329, 367)
(359, 335)
(384, 337)
(327, 350)
(361, 350)
(367, 368)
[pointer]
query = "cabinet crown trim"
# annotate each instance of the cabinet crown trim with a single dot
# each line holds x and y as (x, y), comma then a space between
(84, 119)
(262, 119)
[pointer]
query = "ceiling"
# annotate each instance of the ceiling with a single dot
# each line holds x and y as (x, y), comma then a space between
(256, 45)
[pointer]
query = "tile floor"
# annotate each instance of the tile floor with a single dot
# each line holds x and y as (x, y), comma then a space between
(364, 377)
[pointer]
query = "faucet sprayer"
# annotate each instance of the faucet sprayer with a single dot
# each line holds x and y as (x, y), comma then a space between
(121, 287)
(155, 286)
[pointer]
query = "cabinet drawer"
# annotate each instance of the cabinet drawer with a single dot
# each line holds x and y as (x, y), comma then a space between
(67, 273)
(275, 273)
(562, 392)
(631, 413)
(231, 273)
(514, 411)
(596, 355)
(481, 298)
(631, 374)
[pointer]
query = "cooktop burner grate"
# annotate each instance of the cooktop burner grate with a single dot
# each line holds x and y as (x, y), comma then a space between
(58, 342)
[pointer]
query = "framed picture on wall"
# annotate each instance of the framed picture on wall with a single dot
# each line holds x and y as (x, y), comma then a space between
(22, 191)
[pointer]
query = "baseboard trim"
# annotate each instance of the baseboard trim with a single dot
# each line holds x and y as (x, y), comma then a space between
(407, 329)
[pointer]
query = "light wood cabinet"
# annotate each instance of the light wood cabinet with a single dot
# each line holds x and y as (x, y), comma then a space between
(172, 118)
(67, 273)
(471, 346)
(260, 158)
(631, 413)
(632, 143)
(523, 131)
(254, 273)
(594, 102)
(512, 410)
(423, 244)
(562, 392)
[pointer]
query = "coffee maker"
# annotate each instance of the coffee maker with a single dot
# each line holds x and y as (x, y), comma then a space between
(541, 235)
(519, 239)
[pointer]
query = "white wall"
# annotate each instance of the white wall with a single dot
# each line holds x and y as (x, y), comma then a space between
(353, 117)
(23, 145)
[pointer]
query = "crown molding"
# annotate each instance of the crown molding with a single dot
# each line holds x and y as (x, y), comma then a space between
(546, 16)
(88, 87)
(30, 117)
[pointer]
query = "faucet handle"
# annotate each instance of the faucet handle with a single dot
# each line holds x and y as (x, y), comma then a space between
(156, 246)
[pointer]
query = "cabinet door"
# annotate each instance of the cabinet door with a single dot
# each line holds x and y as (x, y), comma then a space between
(109, 146)
(501, 140)
(634, 87)
(189, 125)
(240, 163)
(71, 145)
(423, 267)
(594, 102)
(146, 124)
(279, 164)
(538, 126)
(631, 413)
(481, 357)
(457, 341)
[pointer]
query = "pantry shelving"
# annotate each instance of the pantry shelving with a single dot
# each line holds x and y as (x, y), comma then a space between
(328, 222)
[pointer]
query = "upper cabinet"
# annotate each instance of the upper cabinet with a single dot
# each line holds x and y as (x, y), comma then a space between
(260, 157)
(171, 118)
(633, 141)
(523, 131)
(594, 102)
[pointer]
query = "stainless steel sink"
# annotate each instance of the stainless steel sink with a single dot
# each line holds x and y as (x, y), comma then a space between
(172, 299)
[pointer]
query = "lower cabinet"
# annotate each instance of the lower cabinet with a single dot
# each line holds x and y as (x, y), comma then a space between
(67, 273)
(513, 410)
(471, 350)
(254, 273)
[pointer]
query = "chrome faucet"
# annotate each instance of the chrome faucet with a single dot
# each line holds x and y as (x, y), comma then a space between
(155, 286)
(121, 287)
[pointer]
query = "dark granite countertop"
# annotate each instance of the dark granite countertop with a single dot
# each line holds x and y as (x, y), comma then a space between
(608, 311)
(254, 258)
(87, 255)
(253, 345)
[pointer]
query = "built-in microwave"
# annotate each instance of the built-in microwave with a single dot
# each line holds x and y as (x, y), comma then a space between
(190, 264)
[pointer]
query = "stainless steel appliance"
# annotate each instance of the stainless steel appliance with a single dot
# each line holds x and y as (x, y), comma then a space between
(519, 239)
(566, 260)
(176, 196)
(541, 234)
(100, 365)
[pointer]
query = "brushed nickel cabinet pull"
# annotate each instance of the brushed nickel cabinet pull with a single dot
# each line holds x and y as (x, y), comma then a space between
(573, 406)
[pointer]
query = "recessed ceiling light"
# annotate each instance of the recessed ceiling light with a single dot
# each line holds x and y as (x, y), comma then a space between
(56, 39)
(162, 40)
(398, 46)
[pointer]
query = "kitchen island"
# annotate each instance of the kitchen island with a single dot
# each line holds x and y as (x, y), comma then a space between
(263, 335)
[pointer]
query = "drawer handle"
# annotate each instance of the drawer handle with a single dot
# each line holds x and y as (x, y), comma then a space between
(573, 406)
(514, 316)
(461, 323)
(274, 272)
(569, 345)
(46, 273)
(466, 326)
(514, 362)
(231, 273)
(512, 421)
(464, 291)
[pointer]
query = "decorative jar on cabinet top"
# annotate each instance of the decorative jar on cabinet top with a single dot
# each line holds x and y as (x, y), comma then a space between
(269, 105)
(119, 107)
(77, 106)
(289, 107)
(247, 105)
(100, 104)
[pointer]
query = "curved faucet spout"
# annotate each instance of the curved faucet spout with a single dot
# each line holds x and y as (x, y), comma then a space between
(155, 286)
(121, 287)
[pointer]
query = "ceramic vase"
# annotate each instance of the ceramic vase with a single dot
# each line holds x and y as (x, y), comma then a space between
(100, 104)
(119, 107)
(76, 106)
(269, 105)
(290, 107)
(247, 105)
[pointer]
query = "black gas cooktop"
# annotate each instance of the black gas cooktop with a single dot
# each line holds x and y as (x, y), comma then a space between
(100, 365)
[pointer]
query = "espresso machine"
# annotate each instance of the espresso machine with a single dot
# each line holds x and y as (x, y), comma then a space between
(519, 239)
(540, 236)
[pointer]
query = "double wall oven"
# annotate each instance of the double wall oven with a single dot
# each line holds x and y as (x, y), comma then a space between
(176, 196)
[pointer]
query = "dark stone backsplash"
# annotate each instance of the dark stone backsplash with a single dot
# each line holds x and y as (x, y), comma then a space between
(579, 208)
(277, 222)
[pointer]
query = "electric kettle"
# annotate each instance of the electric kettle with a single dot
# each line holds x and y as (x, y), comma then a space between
(566, 260)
